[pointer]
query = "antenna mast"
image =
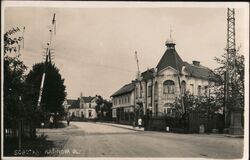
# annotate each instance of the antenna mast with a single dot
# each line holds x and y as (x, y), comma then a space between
(231, 51)
(47, 59)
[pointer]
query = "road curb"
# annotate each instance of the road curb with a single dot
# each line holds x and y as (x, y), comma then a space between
(235, 136)
(120, 126)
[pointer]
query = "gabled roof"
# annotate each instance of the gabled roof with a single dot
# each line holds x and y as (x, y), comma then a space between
(87, 99)
(172, 59)
(128, 88)
(201, 72)
(75, 104)
(70, 101)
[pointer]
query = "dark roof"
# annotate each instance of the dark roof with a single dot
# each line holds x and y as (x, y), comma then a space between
(75, 104)
(70, 101)
(201, 72)
(125, 89)
(148, 74)
(87, 99)
(170, 58)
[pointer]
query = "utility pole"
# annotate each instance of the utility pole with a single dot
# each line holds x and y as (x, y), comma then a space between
(138, 92)
(178, 76)
(47, 60)
(20, 122)
(235, 114)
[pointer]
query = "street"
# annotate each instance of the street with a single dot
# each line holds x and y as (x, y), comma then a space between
(86, 139)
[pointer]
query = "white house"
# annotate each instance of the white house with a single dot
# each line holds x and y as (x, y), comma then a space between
(83, 107)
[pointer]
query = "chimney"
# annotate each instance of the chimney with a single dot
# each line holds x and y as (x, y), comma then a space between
(196, 63)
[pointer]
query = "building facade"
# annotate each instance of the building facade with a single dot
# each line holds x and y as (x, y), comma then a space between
(157, 88)
(123, 104)
(83, 107)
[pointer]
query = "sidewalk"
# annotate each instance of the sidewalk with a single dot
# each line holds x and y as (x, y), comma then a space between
(142, 129)
(122, 126)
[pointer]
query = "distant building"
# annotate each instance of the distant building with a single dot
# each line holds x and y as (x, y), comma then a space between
(83, 107)
(157, 88)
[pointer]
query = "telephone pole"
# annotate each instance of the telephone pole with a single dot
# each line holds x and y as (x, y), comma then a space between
(47, 59)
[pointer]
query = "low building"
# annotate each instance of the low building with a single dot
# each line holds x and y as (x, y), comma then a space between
(123, 104)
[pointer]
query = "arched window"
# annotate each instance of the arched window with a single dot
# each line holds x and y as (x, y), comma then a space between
(183, 87)
(168, 87)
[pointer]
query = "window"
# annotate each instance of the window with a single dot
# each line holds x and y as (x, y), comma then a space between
(167, 109)
(137, 92)
(156, 90)
(114, 113)
(168, 87)
(199, 90)
(142, 90)
(89, 105)
(90, 113)
(206, 88)
(128, 99)
(149, 91)
(192, 89)
(183, 87)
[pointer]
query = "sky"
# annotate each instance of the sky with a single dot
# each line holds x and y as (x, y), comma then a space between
(94, 46)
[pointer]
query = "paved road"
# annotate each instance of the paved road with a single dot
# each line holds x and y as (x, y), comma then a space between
(82, 139)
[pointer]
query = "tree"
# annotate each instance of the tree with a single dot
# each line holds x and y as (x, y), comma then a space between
(53, 94)
(103, 108)
(204, 105)
(236, 66)
(14, 77)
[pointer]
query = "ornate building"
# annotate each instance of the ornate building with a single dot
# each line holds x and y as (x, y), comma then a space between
(157, 88)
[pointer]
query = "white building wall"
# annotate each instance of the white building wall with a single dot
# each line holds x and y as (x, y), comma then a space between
(126, 100)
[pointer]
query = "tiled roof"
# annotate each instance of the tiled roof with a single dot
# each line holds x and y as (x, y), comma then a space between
(201, 72)
(172, 59)
(125, 89)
